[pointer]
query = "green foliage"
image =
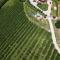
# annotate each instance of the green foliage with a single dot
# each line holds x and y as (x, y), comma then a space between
(43, 6)
(22, 0)
(20, 39)
(57, 24)
(2, 2)
(55, 1)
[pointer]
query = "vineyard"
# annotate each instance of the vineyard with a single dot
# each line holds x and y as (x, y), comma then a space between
(20, 39)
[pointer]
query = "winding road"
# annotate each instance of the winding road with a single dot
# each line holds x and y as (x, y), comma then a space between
(48, 13)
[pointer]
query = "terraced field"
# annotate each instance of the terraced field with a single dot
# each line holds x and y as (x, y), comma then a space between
(20, 39)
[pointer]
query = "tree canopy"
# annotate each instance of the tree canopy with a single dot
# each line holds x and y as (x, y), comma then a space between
(57, 24)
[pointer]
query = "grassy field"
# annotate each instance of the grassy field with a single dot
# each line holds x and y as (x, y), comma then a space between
(20, 39)
(43, 6)
(29, 11)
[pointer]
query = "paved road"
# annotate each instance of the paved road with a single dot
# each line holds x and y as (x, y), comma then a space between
(51, 26)
(48, 12)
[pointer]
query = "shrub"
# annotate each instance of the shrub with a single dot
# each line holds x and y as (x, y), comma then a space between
(57, 24)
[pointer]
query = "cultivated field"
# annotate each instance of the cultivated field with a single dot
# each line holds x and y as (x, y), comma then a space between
(20, 39)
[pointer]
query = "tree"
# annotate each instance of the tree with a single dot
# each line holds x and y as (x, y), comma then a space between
(57, 24)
